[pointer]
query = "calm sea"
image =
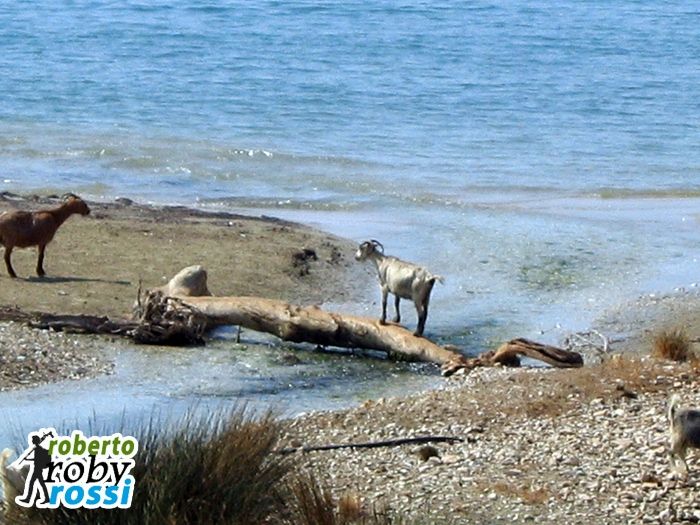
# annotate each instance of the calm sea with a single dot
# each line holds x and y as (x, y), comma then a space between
(543, 156)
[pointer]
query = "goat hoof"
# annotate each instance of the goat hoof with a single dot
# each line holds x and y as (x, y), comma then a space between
(382, 322)
(396, 320)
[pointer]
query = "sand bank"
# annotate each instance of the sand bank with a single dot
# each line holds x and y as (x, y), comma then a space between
(95, 263)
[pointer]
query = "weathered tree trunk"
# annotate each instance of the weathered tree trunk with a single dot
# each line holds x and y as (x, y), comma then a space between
(89, 324)
(180, 312)
(508, 354)
(310, 324)
(165, 323)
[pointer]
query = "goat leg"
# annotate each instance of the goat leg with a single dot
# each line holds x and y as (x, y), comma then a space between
(8, 262)
(678, 462)
(40, 262)
(385, 294)
(397, 300)
(422, 316)
(422, 303)
(422, 309)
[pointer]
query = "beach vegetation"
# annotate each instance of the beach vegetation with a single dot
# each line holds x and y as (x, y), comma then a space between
(219, 468)
(672, 344)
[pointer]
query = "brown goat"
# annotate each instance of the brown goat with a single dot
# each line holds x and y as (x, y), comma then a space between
(21, 229)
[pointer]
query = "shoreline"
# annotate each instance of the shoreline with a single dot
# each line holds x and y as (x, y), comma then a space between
(151, 228)
(95, 265)
(541, 445)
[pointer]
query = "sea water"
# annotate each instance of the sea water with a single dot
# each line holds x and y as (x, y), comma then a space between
(542, 156)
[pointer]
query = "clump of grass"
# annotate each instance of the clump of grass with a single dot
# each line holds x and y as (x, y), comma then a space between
(672, 344)
(350, 507)
(215, 469)
(221, 468)
(312, 504)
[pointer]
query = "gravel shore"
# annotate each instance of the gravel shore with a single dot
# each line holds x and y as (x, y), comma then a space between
(30, 357)
(586, 446)
(580, 446)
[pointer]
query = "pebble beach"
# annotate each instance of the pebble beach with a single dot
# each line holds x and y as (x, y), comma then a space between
(539, 447)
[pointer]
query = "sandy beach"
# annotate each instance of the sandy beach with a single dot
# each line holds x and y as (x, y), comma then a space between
(95, 263)
(540, 446)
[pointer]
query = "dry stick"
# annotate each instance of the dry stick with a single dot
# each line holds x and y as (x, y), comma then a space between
(139, 307)
(606, 342)
(374, 444)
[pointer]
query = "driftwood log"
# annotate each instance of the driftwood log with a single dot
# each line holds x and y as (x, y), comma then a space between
(181, 311)
(508, 354)
(164, 321)
(311, 324)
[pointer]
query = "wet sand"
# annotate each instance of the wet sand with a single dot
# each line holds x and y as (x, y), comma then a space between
(96, 263)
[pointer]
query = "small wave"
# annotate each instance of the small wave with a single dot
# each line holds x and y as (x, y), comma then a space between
(137, 163)
(224, 153)
(284, 203)
(132, 151)
(49, 152)
(650, 193)
(11, 141)
(232, 154)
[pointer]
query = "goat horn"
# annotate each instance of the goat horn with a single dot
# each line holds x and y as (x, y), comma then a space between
(378, 244)
(69, 195)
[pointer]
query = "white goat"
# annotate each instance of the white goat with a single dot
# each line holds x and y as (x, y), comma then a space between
(403, 279)
(685, 433)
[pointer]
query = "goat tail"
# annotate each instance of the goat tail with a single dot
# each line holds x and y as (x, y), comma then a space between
(438, 278)
(673, 405)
